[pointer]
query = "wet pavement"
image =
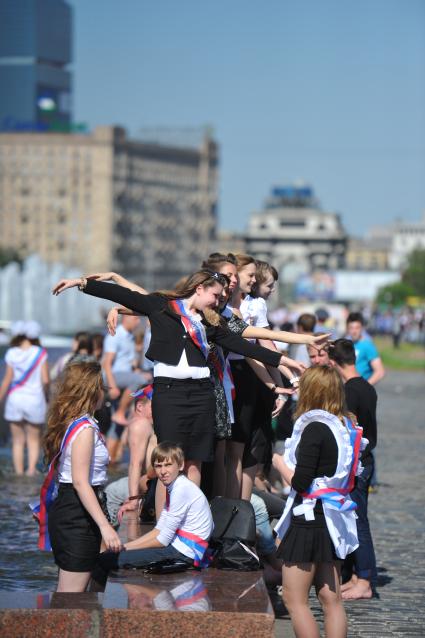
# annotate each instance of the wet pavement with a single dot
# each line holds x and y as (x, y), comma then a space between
(396, 514)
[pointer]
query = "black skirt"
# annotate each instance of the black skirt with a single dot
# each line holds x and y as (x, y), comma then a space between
(183, 413)
(244, 404)
(307, 542)
(74, 535)
(259, 447)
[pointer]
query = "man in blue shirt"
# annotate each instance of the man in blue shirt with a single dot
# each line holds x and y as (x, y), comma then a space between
(368, 361)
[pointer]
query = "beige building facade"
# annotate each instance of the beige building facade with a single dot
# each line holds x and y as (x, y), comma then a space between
(104, 202)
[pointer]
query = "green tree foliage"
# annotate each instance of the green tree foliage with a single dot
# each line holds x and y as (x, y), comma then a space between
(7, 255)
(395, 294)
(414, 274)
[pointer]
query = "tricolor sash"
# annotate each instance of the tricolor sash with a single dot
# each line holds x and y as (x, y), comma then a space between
(197, 544)
(37, 360)
(195, 329)
(336, 496)
(48, 490)
(144, 393)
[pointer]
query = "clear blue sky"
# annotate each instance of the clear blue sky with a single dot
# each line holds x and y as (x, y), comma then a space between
(328, 91)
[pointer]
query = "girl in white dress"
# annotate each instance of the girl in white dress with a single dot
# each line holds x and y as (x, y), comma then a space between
(25, 383)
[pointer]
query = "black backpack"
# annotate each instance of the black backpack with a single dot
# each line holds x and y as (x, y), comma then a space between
(234, 535)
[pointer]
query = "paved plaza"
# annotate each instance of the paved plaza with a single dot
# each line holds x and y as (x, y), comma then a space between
(396, 515)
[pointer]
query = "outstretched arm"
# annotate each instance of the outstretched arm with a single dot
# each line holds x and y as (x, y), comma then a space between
(281, 335)
(117, 279)
(141, 303)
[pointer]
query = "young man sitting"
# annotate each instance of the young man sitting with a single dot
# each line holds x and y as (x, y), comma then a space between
(183, 529)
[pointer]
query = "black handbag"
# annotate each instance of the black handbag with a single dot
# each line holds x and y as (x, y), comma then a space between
(234, 532)
(233, 518)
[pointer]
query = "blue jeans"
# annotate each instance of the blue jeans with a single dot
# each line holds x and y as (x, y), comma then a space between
(266, 544)
(138, 558)
(134, 558)
(363, 558)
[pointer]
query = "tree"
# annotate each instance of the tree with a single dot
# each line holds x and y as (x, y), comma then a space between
(414, 274)
(7, 255)
(395, 294)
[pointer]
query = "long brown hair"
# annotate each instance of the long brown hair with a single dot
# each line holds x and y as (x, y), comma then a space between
(321, 388)
(187, 286)
(78, 392)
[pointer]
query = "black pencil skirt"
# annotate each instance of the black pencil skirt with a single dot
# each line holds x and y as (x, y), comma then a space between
(183, 412)
(245, 401)
(74, 536)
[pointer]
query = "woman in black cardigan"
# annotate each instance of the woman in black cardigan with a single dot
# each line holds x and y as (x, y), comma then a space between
(183, 400)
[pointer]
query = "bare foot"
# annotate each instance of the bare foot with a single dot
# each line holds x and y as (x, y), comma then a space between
(119, 418)
(361, 589)
(349, 583)
(32, 472)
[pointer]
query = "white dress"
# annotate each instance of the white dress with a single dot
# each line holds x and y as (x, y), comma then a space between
(26, 400)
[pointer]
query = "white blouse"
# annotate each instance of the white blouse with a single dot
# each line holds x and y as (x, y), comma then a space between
(99, 460)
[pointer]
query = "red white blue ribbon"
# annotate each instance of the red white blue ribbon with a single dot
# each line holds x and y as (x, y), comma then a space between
(195, 329)
(146, 392)
(197, 544)
(48, 490)
(337, 496)
(37, 360)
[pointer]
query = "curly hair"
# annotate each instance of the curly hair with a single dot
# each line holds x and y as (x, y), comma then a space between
(78, 392)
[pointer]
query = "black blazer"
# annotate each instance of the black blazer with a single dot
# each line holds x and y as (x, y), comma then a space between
(169, 338)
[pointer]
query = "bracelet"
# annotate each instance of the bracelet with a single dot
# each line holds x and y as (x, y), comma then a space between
(282, 398)
(294, 380)
(83, 283)
(136, 497)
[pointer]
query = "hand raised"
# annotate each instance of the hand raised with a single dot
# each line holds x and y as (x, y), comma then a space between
(101, 276)
(64, 284)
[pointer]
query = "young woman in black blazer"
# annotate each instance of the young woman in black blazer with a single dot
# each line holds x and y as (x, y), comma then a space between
(183, 400)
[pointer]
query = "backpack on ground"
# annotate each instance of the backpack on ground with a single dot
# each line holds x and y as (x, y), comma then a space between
(234, 535)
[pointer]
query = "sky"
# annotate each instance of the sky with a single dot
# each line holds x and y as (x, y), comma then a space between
(327, 92)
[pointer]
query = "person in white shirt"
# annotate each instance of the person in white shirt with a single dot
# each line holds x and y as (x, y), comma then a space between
(25, 384)
(183, 529)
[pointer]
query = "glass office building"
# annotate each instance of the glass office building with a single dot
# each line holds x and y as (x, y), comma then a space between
(35, 54)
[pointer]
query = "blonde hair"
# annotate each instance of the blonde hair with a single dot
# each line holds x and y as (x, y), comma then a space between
(78, 392)
(321, 388)
(167, 450)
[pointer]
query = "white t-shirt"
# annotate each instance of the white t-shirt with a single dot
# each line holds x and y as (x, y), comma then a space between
(189, 511)
(254, 313)
(20, 360)
(99, 460)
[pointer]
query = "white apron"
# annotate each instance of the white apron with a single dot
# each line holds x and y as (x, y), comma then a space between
(338, 508)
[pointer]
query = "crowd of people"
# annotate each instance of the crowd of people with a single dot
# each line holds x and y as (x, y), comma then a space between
(208, 406)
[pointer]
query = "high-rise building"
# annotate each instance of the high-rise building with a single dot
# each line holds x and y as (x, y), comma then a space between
(35, 53)
(104, 202)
